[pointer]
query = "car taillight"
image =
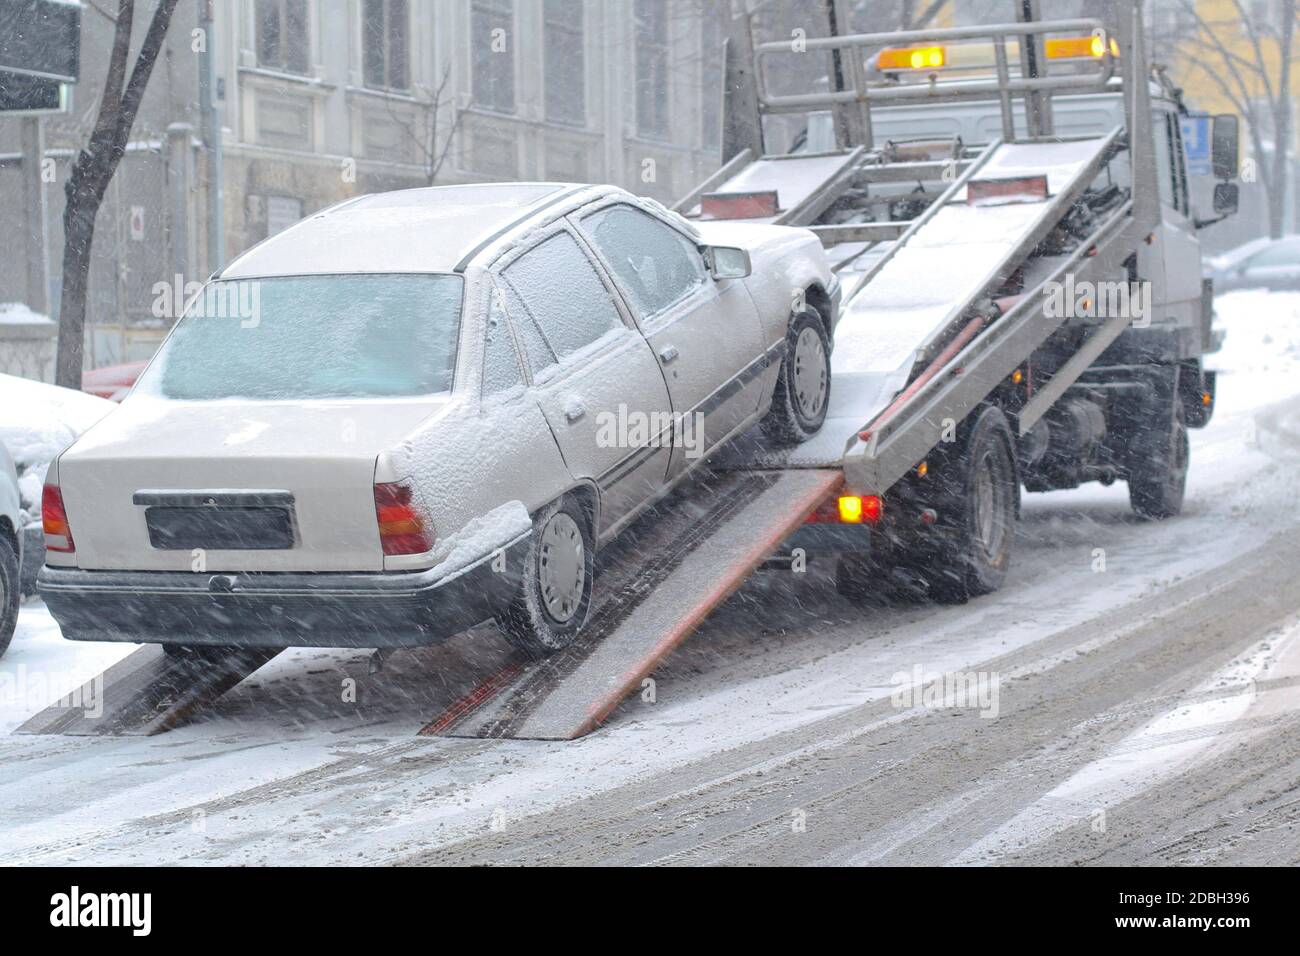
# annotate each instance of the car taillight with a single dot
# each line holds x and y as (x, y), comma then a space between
(401, 526)
(54, 517)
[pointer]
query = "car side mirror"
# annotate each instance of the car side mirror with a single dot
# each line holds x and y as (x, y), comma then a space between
(727, 262)
(1225, 199)
(1223, 150)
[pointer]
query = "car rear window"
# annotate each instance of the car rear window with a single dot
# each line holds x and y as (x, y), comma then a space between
(304, 337)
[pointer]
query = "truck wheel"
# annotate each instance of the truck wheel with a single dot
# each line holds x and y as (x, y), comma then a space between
(1158, 460)
(983, 491)
(803, 388)
(555, 593)
(8, 591)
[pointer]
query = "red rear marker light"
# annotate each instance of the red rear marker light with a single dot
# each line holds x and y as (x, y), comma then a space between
(401, 526)
(848, 509)
(864, 509)
(1007, 190)
(54, 517)
(758, 204)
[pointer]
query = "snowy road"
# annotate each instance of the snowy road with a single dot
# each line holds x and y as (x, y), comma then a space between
(1147, 710)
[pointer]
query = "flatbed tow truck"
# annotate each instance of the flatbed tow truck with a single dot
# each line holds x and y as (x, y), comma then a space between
(1007, 207)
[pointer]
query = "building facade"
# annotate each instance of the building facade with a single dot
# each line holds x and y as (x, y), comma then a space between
(321, 100)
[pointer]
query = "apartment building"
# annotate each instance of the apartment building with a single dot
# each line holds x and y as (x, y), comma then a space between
(325, 99)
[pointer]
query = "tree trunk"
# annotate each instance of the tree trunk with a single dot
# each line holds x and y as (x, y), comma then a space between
(79, 233)
(94, 170)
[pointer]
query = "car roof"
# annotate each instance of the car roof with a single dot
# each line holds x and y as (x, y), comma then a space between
(431, 229)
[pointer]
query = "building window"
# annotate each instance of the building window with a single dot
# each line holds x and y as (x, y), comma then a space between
(563, 66)
(492, 25)
(385, 31)
(711, 48)
(651, 24)
(282, 41)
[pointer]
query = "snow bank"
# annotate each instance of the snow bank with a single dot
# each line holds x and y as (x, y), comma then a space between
(16, 313)
(1260, 359)
(37, 421)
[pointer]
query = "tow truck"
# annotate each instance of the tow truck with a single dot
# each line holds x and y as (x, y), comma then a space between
(1007, 209)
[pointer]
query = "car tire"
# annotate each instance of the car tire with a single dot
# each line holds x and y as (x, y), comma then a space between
(982, 488)
(554, 595)
(803, 386)
(1158, 465)
(9, 587)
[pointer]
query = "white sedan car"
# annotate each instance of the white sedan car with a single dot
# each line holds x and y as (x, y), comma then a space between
(419, 410)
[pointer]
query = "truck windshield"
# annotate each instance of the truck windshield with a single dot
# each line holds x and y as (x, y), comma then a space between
(305, 337)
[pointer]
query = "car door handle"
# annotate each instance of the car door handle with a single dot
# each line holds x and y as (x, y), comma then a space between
(574, 410)
(668, 354)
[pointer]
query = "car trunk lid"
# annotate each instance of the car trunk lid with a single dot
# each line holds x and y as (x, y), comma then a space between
(233, 485)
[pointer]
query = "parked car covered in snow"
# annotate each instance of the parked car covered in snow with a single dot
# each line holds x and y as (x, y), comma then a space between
(419, 410)
(11, 548)
(1258, 264)
(113, 382)
(37, 421)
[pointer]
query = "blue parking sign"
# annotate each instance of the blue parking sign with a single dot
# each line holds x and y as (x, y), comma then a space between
(1196, 144)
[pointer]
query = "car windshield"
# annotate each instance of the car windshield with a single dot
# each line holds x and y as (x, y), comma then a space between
(304, 337)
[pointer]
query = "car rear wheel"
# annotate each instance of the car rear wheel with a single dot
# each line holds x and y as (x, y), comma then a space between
(8, 590)
(555, 593)
(803, 388)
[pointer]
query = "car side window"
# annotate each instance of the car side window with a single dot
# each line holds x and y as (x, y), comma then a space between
(501, 371)
(557, 301)
(657, 265)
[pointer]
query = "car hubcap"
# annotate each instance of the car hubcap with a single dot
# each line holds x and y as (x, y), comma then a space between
(809, 373)
(562, 569)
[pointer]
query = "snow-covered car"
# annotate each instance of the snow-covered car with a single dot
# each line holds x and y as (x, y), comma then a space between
(419, 410)
(1259, 264)
(11, 548)
(113, 382)
(37, 421)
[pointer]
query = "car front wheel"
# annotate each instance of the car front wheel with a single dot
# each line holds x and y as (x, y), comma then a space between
(555, 594)
(803, 389)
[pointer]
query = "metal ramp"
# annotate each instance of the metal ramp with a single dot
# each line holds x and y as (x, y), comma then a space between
(703, 549)
(149, 691)
(905, 309)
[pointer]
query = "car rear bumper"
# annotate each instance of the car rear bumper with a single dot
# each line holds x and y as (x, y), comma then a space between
(281, 609)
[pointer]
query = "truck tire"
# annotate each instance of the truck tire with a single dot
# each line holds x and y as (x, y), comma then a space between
(803, 387)
(555, 592)
(1158, 462)
(8, 590)
(982, 496)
